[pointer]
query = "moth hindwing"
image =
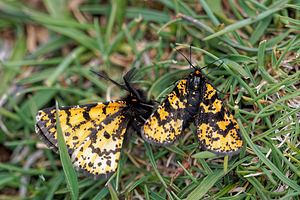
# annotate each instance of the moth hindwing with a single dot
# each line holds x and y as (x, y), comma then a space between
(94, 133)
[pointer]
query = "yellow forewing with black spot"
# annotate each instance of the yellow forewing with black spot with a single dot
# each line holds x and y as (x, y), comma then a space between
(194, 100)
(94, 134)
(167, 122)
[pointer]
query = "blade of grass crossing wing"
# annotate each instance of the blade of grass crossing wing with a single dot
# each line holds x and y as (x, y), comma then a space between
(210, 180)
(69, 171)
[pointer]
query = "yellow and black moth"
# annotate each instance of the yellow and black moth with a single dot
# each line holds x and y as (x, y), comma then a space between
(194, 99)
(94, 133)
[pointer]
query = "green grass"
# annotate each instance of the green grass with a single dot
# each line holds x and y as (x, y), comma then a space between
(47, 52)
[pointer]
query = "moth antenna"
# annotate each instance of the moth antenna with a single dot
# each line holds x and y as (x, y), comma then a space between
(185, 58)
(214, 62)
(190, 53)
(216, 68)
(109, 79)
(143, 118)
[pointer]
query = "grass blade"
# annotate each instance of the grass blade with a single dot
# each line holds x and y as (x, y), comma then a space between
(209, 181)
(264, 159)
(70, 174)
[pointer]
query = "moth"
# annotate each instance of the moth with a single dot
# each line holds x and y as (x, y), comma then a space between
(194, 99)
(94, 133)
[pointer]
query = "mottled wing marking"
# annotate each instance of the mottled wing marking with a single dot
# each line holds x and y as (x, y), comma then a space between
(99, 153)
(217, 130)
(166, 123)
(94, 134)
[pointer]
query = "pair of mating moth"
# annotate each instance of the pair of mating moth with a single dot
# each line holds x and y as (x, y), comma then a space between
(94, 133)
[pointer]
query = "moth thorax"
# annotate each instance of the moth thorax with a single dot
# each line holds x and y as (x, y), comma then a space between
(195, 82)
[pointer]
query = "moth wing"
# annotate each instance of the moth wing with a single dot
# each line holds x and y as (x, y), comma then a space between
(166, 123)
(217, 130)
(94, 134)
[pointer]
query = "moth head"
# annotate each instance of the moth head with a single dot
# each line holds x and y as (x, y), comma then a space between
(195, 79)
